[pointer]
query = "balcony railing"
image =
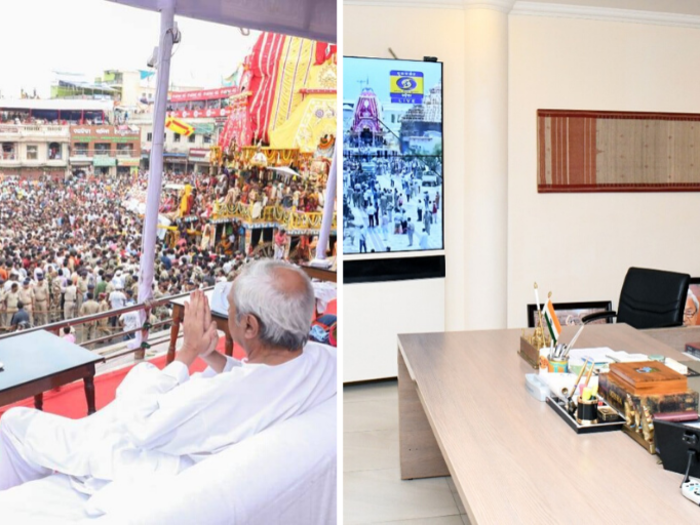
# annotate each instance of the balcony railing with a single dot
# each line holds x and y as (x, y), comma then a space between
(35, 129)
(148, 306)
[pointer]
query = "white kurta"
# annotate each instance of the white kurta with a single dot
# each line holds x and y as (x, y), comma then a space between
(162, 422)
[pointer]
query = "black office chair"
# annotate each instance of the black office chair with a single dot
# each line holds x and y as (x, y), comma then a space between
(649, 299)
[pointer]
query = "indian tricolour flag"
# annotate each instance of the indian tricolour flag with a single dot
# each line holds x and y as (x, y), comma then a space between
(551, 321)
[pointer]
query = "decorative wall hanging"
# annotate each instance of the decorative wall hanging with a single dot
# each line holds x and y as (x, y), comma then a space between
(608, 151)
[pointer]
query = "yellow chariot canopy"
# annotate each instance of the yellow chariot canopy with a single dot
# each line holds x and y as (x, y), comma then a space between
(314, 118)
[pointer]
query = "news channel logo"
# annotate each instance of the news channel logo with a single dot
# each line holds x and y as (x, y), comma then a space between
(406, 87)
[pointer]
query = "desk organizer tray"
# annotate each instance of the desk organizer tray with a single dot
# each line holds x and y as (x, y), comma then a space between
(558, 406)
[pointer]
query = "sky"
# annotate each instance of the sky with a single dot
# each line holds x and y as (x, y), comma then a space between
(90, 36)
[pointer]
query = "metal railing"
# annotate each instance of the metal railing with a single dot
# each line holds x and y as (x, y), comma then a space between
(58, 326)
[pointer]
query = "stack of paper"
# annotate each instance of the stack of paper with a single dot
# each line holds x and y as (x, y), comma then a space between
(624, 357)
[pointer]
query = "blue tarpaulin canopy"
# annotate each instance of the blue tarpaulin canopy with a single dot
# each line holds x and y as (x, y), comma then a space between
(314, 19)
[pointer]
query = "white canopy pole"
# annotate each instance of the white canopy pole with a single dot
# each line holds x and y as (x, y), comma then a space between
(155, 177)
(328, 209)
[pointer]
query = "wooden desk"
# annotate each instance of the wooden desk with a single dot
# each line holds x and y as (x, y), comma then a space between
(322, 274)
(39, 361)
(179, 314)
(464, 411)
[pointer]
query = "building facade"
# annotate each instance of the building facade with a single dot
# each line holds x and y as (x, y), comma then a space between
(181, 154)
(105, 150)
(30, 151)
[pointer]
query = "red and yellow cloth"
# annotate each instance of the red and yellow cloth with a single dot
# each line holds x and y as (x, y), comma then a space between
(179, 126)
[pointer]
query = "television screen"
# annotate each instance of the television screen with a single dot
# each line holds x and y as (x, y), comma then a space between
(392, 165)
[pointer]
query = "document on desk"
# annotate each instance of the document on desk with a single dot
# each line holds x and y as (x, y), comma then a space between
(600, 356)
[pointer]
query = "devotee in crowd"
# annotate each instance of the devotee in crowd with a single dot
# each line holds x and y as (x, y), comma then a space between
(162, 422)
(21, 318)
(67, 334)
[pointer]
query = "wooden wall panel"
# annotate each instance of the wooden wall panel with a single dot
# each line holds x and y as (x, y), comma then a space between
(604, 151)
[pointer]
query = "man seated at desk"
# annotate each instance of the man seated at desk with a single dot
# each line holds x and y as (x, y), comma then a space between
(164, 421)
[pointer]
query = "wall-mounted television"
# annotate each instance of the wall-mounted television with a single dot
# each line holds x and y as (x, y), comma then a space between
(393, 156)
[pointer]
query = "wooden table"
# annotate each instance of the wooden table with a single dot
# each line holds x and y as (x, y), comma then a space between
(464, 411)
(39, 361)
(322, 274)
(221, 321)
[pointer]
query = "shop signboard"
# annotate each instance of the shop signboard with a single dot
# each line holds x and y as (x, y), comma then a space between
(199, 154)
(201, 94)
(201, 113)
(81, 160)
(129, 162)
(104, 162)
(118, 134)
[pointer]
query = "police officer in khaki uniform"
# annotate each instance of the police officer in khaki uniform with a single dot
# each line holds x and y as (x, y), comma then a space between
(83, 283)
(89, 307)
(41, 301)
(11, 300)
(70, 296)
(56, 294)
(157, 294)
(103, 324)
(135, 288)
(3, 294)
(26, 295)
(110, 287)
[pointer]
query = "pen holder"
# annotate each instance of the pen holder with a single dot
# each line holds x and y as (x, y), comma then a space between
(558, 366)
(587, 411)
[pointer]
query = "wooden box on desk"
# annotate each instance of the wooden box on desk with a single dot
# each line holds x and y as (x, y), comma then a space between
(529, 352)
(648, 383)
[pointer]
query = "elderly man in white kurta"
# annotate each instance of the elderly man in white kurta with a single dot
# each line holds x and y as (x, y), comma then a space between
(163, 422)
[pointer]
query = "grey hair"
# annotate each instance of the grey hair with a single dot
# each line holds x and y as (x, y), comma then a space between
(285, 318)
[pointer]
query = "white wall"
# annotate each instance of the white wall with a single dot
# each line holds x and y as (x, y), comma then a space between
(580, 245)
(554, 63)
(375, 313)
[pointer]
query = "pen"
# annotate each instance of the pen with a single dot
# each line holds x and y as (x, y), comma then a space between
(580, 375)
(571, 344)
(590, 373)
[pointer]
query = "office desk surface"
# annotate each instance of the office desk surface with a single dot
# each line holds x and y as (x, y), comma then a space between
(511, 457)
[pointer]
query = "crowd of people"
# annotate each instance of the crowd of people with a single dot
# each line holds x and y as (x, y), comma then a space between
(391, 200)
(25, 118)
(69, 248)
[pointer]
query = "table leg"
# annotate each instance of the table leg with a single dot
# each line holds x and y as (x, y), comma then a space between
(228, 345)
(90, 393)
(39, 401)
(420, 454)
(174, 332)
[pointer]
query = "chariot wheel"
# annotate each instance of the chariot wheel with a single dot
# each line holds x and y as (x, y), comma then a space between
(265, 249)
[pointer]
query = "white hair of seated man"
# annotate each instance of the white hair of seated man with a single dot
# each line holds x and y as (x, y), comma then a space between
(285, 318)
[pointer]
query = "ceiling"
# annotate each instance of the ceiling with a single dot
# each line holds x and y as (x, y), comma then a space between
(314, 19)
(685, 7)
(682, 7)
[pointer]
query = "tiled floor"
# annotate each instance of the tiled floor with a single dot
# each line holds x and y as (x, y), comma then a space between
(373, 490)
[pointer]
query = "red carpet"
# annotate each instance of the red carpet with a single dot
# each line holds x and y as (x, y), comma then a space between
(70, 401)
